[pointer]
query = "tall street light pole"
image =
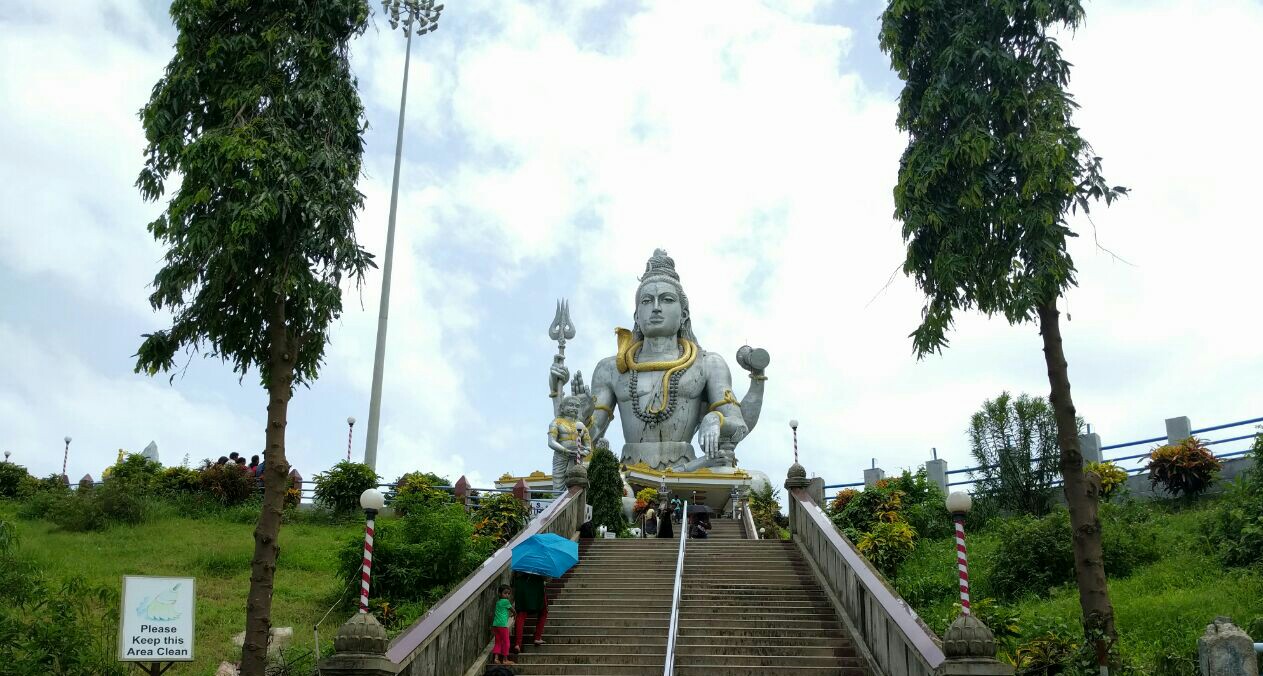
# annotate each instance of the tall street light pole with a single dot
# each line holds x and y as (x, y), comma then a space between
(421, 17)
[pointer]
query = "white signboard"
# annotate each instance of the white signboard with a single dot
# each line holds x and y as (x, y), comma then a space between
(157, 619)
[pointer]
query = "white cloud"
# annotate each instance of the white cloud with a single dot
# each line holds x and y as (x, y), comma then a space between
(546, 158)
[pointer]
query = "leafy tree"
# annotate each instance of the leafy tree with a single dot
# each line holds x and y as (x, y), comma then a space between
(340, 487)
(258, 115)
(993, 166)
(1015, 442)
(605, 490)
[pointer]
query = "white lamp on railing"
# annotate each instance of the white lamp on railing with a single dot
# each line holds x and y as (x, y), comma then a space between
(372, 501)
(958, 504)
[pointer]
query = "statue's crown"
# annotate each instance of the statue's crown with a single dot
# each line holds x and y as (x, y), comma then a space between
(660, 265)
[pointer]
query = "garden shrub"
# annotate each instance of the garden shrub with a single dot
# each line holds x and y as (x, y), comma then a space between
(177, 481)
(229, 484)
(765, 510)
(605, 490)
(1015, 442)
(1236, 525)
(887, 544)
(339, 488)
(1185, 469)
(13, 479)
(416, 490)
(136, 471)
(114, 502)
(1112, 477)
(840, 500)
(417, 557)
(499, 517)
(1036, 554)
(49, 627)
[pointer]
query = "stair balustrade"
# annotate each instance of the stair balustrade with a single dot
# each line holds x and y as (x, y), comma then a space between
(673, 627)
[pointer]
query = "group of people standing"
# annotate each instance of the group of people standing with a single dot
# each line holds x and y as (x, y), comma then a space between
(254, 467)
(698, 524)
(528, 595)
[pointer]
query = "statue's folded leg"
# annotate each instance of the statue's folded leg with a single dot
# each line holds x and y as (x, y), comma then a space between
(561, 465)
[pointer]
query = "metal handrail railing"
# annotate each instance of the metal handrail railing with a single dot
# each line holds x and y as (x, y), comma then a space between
(669, 668)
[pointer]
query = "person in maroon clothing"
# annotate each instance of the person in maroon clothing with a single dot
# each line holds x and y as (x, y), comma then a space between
(531, 596)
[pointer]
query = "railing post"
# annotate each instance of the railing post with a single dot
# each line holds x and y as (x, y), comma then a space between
(873, 474)
(86, 482)
(936, 471)
(461, 491)
(815, 488)
(795, 478)
(1178, 429)
(1090, 447)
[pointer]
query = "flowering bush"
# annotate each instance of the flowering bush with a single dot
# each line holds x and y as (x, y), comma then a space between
(1185, 469)
(841, 500)
(500, 516)
(1112, 477)
(887, 545)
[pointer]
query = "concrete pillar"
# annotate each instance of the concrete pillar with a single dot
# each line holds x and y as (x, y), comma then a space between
(936, 470)
(1090, 447)
(86, 482)
(815, 488)
(1178, 429)
(1225, 650)
(795, 479)
(461, 491)
(520, 491)
(872, 476)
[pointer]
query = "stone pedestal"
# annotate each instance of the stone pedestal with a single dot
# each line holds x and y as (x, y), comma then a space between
(1225, 650)
(970, 650)
(359, 649)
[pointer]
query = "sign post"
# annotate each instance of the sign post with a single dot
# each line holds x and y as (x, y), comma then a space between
(156, 622)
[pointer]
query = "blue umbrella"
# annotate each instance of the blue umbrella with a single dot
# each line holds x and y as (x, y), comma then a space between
(547, 554)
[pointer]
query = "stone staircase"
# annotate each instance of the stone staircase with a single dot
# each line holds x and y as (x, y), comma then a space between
(747, 607)
(752, 607)
(609, 614)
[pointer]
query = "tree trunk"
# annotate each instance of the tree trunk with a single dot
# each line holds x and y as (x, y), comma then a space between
(1082, 491)
(275, 483)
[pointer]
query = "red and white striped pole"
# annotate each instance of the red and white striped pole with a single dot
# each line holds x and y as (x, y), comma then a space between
(65, 457)
(350, 427)
(958, 504)
(793, 425)
(371, 500)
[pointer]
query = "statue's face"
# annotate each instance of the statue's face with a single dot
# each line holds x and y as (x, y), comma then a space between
(658, 310)
(570, 408)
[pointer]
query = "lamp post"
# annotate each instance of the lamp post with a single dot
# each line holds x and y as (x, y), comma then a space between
(350, 427)
(958, 504)
(372, 501)
(421, 17)
(6, 456)
(65, 457)
(793, 425)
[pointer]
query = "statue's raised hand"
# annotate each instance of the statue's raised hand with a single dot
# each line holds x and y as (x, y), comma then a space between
(557, 375)
(576, 385)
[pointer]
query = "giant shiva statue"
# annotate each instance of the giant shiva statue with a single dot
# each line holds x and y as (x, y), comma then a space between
(666, 388)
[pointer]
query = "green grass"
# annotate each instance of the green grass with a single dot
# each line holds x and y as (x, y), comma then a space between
(215, 550)
(1160, 609)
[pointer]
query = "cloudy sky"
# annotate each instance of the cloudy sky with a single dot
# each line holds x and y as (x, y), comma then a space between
(550, 147)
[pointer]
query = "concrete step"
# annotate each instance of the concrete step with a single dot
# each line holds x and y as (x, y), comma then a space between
(764, 650)
(602, 658)
(562, 669)
(585, 647)
(784, 669)
(770, 660)
(770, 633)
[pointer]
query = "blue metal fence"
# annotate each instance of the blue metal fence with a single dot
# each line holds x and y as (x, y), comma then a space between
(972, 471)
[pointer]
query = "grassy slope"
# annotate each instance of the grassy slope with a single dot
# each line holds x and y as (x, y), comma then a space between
(217, 552)
(1160, 608)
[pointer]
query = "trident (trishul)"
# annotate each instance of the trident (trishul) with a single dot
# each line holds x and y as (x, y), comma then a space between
(561, 330)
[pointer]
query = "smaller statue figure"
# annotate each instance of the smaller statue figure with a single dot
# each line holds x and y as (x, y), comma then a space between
(569, 439)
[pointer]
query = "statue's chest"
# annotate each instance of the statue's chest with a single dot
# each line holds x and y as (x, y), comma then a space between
(649, 384)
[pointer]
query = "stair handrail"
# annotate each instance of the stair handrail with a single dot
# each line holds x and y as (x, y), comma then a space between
(669, 668)
(747, 518)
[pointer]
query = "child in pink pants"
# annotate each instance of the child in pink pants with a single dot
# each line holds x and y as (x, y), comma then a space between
(500, 626)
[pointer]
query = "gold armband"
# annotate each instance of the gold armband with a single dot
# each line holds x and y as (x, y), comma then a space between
(607, 409)
(754, 377)
(728, 399)
(721, 419)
